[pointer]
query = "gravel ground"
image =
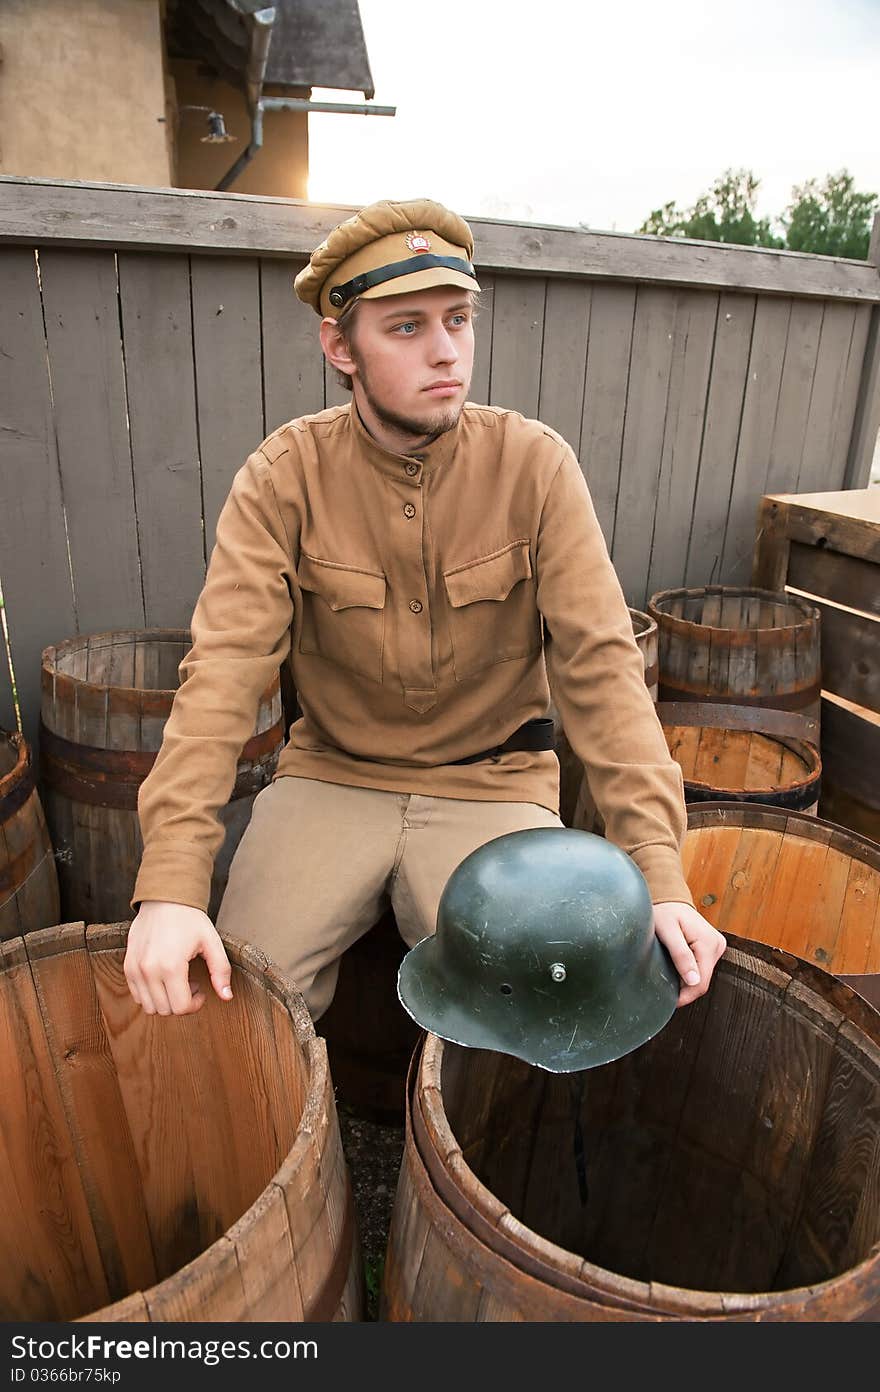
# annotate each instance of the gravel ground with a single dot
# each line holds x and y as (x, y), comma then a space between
(373, 1152)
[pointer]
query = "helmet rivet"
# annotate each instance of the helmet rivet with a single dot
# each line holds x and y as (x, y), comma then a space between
(557, 971)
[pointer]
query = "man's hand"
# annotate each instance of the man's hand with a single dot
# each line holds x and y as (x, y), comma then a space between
(162, 941)
(693, 944)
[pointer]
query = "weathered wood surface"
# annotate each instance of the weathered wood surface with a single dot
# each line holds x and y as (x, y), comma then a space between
(28, 878)
(39, 210)
(826, 546)
(34, 570)
(707, 1153)
(106, 698)
(166, 1170)
(851, 759)
(684, 394)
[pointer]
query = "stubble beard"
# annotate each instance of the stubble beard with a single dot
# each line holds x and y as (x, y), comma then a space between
(423, 428)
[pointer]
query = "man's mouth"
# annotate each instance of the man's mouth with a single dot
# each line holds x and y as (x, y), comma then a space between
(447, 387)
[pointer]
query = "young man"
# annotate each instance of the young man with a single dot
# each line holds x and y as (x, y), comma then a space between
(425, 565)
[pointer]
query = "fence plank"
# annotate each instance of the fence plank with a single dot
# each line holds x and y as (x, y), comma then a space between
(88, 390)
(612, 312)
(483, 335)
(798, 371)
(769, 337)
(724, 408)
(226, 339)
(293, 372)
(37, 589)
(856, 365)
(815, 474)
(517, 335)
(694, 332)
(157, 333)
(646, 401)
(190, 220)
(564, 358)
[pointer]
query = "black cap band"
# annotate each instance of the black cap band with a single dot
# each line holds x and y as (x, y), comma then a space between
(341, 294)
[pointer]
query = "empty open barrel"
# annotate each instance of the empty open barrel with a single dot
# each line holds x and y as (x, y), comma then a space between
(105, 700)
(797, 882)
(743, 645)
(28, 878)
(165, 1169)
(744, 754)
(726, 1170)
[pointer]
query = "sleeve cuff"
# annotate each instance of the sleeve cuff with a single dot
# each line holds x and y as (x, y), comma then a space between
(174, 875)
(661, 867)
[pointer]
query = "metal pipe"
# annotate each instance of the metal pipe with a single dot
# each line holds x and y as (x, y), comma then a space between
(261, 37)
(261, 22)
(291, 104)
(348, 108)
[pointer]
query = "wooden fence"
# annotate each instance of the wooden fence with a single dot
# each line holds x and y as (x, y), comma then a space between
(150, 338)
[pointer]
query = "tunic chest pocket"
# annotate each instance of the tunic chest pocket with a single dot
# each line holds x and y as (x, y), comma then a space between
(343, 615)
(494, 613)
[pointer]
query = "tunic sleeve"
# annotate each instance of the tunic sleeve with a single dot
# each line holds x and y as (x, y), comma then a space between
(597, 682)
(240, 637)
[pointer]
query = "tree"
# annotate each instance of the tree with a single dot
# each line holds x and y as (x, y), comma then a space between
(830, 218)
(727, 214)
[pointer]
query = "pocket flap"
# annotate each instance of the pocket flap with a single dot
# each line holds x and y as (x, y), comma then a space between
(340, 586)
(491, 577)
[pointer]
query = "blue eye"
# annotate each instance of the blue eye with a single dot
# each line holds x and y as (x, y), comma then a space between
(406, 328)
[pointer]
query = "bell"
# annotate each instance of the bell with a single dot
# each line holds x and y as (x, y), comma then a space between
(217, 132)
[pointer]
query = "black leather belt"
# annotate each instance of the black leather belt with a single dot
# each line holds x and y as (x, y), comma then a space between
(535, 735)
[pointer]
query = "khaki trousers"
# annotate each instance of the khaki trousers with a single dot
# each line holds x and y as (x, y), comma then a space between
(319, 862)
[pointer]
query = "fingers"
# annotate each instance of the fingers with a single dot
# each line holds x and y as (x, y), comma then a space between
(217, 962)
(163, 940)
(694, 945)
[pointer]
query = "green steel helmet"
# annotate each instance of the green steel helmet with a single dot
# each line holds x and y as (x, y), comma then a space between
(545, 949)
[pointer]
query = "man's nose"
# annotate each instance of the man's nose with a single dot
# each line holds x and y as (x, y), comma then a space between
(443, 347)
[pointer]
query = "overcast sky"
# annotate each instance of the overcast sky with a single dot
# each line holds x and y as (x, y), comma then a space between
(564, 112)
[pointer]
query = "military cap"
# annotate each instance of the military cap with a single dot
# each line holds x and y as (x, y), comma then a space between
(388, 249)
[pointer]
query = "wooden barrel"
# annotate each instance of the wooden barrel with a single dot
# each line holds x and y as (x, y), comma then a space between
(797, 882)
(709, 1175)
(185, 1168)
(105, 700)
(572, 784)
(749, 647)
(370, 1037)
(744, 754)
(28, 878)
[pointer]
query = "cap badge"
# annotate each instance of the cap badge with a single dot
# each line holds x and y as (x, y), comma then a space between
(417, 242)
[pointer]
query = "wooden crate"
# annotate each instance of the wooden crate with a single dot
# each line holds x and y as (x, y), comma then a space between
(827, 546)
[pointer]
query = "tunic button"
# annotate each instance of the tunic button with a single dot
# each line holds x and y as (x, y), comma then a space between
(409, 510)
(416, 606)
(412, 469)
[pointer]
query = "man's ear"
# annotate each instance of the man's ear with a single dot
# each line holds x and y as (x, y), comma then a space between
(336, 348)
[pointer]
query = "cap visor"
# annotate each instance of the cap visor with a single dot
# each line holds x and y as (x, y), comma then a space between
(585, 1039)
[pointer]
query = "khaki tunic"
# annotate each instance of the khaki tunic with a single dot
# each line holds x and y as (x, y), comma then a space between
(423, 602)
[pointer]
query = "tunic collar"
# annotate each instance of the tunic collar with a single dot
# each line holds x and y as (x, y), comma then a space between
(428, 458)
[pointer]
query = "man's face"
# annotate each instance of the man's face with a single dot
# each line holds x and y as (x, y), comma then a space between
(412, 358)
